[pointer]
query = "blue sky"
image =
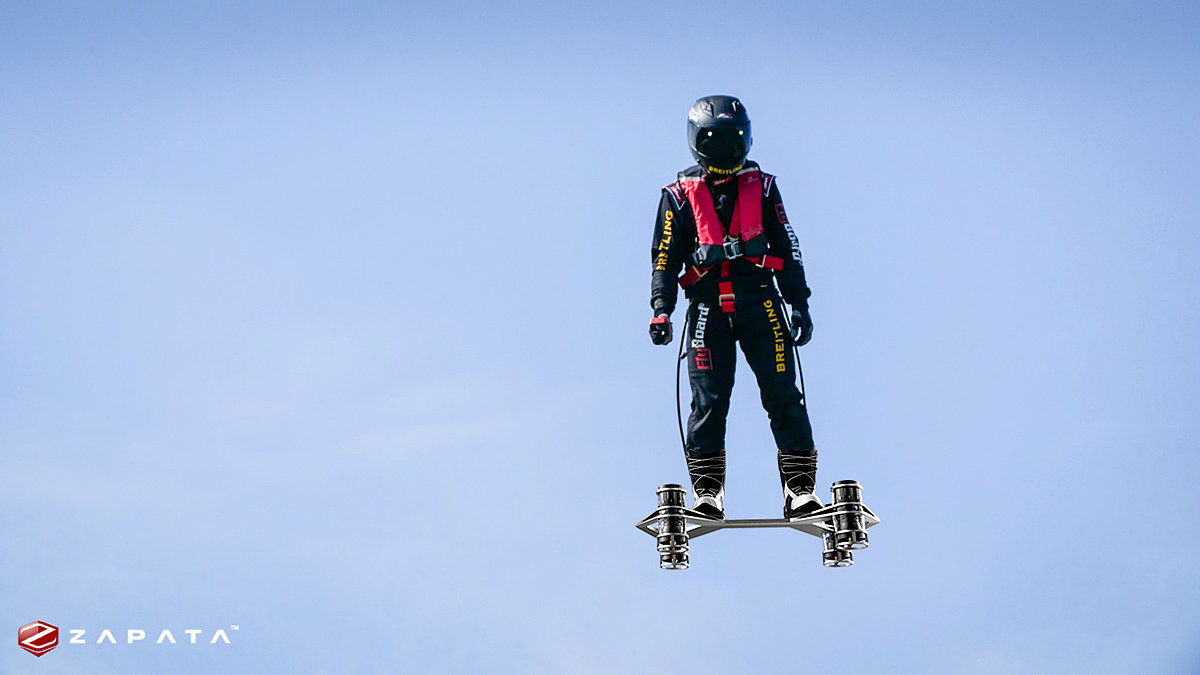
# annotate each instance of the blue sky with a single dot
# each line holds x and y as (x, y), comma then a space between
(329, 323)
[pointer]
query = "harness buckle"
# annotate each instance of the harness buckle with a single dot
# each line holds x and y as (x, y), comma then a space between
(733, 249)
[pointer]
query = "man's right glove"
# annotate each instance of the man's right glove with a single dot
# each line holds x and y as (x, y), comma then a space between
(660, 329)
(801, 327)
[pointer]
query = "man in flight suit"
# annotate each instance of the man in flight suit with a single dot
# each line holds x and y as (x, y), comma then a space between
(722, 224)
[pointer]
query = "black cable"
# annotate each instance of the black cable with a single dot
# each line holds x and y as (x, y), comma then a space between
(799, 371)
(678, 367)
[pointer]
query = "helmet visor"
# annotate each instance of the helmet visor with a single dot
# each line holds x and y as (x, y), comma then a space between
(723, 147)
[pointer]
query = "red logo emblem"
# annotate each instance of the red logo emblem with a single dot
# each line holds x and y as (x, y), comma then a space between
(703, 359)
(38, 637)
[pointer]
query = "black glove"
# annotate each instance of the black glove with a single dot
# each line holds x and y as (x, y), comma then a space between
(801, 327)
(660, 329)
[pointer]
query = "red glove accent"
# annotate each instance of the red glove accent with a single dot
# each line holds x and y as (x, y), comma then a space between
(660, 329)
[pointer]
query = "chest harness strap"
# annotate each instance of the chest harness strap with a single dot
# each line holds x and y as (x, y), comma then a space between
(718, 247)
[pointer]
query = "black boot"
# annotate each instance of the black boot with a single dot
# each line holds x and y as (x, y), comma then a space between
(708, 483)
(798, 473)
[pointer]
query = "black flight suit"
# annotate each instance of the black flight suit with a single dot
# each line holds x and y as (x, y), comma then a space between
(758, 322)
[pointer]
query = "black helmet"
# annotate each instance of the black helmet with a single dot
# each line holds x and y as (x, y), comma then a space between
(719, 133)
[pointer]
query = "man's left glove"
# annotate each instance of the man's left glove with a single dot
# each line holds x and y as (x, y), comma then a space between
(801, 327)
(660, 329)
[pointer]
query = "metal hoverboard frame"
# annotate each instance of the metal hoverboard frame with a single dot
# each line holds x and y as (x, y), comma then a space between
(842, 525)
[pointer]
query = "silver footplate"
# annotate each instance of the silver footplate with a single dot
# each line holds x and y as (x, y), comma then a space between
(842, 525)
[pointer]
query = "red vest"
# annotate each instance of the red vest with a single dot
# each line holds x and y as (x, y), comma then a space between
(746, 224)
(744, 239)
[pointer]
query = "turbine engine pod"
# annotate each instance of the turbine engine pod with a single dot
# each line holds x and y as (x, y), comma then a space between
(849, 526)
(672, 528)
(834, 556)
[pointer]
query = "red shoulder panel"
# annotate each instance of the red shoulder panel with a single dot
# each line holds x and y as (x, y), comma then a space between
(676, 194)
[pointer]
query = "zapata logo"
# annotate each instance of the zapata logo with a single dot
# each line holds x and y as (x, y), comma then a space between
(38, 637)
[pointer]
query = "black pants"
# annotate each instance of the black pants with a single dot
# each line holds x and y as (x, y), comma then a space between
(758, 325)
